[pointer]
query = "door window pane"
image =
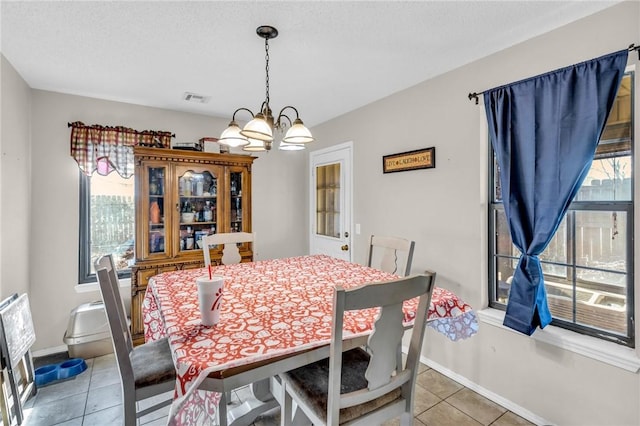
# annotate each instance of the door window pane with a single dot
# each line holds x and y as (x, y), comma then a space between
(328, 200)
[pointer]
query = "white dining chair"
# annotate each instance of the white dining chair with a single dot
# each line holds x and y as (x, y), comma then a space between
(107, 261)
(364, 387)
(146, 370)
(230, 240)
(230, 255)
(391, 254)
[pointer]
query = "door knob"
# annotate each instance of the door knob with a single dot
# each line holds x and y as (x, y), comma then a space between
(345, 247)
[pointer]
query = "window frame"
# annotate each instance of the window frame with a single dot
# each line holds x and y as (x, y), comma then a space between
(85, 276)
(628, 206)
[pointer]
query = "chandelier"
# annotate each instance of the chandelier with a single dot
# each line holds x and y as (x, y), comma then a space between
(257, 135)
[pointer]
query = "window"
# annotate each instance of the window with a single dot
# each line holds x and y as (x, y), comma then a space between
(106, 222)
(588, 266)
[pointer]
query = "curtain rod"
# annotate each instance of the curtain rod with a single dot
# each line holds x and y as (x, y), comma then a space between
(476, 95)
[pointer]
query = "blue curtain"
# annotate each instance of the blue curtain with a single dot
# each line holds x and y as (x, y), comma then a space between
(544, 131)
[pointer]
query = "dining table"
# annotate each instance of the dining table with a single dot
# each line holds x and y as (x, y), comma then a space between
(275, 316)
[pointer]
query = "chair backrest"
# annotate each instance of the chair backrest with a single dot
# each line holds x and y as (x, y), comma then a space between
(17, 335)
(107, 262)
(384, 252)
(384, 373)
(230, 254)
(120, 333)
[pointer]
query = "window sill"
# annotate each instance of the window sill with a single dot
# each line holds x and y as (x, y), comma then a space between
(591, 347)
(94, 287)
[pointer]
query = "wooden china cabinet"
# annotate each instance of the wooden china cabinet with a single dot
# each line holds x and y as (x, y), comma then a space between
(179, 197)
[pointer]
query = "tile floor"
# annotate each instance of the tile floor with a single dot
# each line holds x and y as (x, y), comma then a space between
(94, 398)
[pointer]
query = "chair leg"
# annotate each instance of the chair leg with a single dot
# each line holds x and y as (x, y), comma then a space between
(129, 405)
(222, 408)
(286, 403)
(406, 419)
(4, 399)
(300, 418)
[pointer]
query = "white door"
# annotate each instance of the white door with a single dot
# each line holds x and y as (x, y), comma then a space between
(330, 189)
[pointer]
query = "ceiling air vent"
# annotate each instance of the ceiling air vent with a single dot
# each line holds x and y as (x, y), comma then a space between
(194, 97)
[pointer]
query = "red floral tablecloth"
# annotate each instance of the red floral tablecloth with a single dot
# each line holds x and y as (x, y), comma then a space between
(270, 308)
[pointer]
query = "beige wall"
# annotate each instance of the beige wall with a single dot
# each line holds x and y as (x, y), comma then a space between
(15, 181)
(444, 210)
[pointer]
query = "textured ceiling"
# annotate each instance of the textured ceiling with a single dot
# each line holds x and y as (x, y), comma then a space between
(330, 57)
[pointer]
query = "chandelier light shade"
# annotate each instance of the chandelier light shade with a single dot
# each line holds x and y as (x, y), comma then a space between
(258, 128)
(298, 133)
(284, 146)
(232, 137)
(256, 145)
(258, 133)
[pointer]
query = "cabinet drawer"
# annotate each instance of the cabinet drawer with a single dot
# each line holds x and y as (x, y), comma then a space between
(144, 275)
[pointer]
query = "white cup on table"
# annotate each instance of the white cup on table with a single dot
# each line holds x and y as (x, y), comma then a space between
(210, 298)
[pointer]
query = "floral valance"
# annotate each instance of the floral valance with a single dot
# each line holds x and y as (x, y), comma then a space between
(105, 149)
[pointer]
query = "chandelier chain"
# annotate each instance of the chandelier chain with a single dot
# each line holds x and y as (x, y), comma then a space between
(266, 50)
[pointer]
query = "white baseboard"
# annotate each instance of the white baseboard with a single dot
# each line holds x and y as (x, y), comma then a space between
(509, 405)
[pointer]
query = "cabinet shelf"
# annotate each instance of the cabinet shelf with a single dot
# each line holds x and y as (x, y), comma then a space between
(197, 223)
(199, 197)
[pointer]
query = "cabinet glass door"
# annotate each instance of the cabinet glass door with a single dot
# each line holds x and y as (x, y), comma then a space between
(237, 222)
(157, 196)
(197, 207)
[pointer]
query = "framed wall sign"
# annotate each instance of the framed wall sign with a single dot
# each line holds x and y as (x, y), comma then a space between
(410, 160)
